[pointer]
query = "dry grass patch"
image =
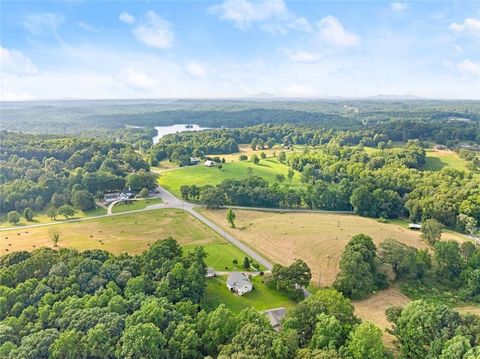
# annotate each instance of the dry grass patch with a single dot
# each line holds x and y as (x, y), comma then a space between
(127, 233)
(373, 310)
(316, 238)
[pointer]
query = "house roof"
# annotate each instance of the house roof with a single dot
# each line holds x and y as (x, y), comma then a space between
(237, 279)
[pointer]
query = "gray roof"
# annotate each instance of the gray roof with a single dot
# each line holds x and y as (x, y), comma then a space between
(275, 316)
(237, 279)
(210, 271)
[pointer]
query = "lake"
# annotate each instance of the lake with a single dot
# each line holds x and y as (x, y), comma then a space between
(166, 130)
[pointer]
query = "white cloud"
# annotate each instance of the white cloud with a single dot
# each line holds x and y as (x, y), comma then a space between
(154, 32)
(135, 78)
(14, 62)
(244, 12)
(86, 27)
(469, 26)
(272, 16)
(469, 67)
(305, 57)
(331, 31)
(42, 23)
(126, 18)
(398, 6)
(196, 70)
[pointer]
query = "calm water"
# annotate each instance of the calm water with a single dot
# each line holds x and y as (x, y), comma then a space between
(166, 130)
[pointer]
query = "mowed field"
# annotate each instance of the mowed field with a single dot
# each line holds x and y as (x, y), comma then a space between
(436, 160)
(201, 175)
(131, 233)
(316, 238)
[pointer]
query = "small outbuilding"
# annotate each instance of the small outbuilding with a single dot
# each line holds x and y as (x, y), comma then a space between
(415, 226)
(194, 161)
(210, 163)
(210, 273)
(239, 283)
(275, 317)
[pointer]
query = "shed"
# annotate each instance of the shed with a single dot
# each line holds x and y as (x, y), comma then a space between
(210, 273)
(275, 317)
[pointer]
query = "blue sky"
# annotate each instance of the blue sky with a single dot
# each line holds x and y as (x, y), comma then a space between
(236, 48)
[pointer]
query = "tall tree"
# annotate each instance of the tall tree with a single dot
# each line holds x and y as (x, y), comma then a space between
(231, 217)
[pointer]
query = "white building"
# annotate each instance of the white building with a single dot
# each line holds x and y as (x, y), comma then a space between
(210, 163)
(239, 283)
(415, 226)
(210, 273)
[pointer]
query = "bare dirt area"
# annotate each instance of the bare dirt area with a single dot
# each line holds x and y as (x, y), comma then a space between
(316, 238)
(373, 309)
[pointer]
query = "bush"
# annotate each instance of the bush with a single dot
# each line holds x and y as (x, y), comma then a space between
(13, 217)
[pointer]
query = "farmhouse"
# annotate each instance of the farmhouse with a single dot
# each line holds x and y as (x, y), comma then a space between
(239, 283)
(210, 163)
(117, 196)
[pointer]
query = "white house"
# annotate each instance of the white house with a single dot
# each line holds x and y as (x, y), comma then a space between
(239, 283)
(210, 163)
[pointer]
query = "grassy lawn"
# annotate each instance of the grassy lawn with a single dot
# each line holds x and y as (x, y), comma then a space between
(135, 205)
(437, 160)
(221, 256)
(317, 238)
(201, 175)
(260, 298)
(164, 165)
(247, 150)
(131, 233)
(41, 217)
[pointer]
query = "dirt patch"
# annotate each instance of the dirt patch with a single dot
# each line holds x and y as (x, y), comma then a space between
(373, 310)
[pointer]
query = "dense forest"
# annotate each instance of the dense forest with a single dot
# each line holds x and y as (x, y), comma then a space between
(44, 171)
(66, 304)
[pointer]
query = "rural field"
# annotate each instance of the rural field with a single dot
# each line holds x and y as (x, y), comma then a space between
(245, 149)
(317, 238)
(131, 233)
(201, 175)
(436, 160)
